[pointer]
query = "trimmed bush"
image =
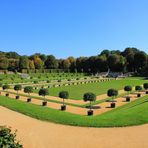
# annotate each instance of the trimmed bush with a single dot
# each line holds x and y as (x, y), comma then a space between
(48, 81)
(128, 88)
(28, 89)
(64, 95)
(8, 139)
(145, 85)
(5, 87)
(43, 92)
(138, 88)
(112, 93)
(17, 88)
(89, 97)
(35, 82)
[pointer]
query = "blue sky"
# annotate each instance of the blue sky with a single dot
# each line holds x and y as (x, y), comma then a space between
(72, 27)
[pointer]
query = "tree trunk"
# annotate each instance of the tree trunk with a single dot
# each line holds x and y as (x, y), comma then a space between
(90, 106)
(63, 102)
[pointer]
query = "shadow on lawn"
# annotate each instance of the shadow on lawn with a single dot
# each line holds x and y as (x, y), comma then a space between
(145, 101)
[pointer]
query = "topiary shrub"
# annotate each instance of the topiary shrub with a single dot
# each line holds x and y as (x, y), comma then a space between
(128, 88)
(35, 82)
(64, 95)
(43, 92)
(145, 85)
(89, 97)
(17, 88)
(8, 139)
(28, 89)
(138, 88)
(5, 87)
(112, 93)
(48, 81)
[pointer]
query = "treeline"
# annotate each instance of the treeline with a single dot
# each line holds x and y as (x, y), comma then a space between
(129, 60)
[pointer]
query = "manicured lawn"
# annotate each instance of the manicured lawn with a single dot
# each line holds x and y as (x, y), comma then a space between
(16, 78)
(134, 113)
(76, 91)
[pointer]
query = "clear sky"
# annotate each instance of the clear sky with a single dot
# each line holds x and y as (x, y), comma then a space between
(72, 27)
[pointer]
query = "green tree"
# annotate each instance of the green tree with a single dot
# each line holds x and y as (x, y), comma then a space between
(5, 87)
(38, 62)
(116, 62)
(101, 63)
(28, 89)
(43, 92)
(51, 62)
(8, 139)
(128, 88)
(12, 55)
(31, 64)
(4, 63)
(112, 93)
(66, 64)
(105, 52)
(23, 62)
(64, 95)
(140, 60)
(138, 88)
(17, 88)
(145, 85)
(91, 97)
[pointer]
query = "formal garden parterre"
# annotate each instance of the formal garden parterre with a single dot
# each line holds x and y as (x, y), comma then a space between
(102, 93)
(79, 91)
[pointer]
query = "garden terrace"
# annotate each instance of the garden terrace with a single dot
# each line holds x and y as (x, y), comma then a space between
(76, 91)
(16, 78)
(133, 113)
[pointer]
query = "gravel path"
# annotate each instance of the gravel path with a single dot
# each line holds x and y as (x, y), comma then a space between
(39, 134)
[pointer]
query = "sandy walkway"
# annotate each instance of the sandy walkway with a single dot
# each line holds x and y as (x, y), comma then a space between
(71, 109)
(80, 102)
(38, 134)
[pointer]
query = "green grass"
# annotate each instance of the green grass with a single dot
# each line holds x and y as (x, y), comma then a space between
(76, 91)
(16, 78)
(48, 100)
(134, 113)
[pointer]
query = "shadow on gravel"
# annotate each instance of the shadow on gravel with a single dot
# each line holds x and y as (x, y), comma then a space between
(94, 107)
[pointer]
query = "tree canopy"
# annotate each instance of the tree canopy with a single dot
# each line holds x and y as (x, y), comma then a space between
(129, 60)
